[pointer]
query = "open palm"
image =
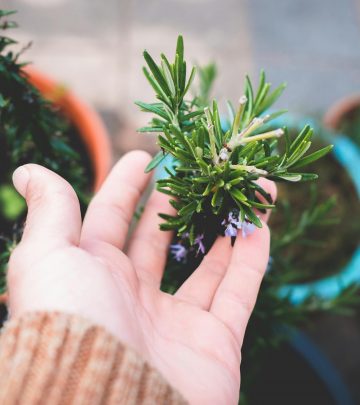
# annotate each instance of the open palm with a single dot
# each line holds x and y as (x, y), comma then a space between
(193, 338)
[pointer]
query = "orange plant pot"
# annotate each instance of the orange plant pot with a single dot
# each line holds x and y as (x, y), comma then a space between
(86, 120)
(337, 112)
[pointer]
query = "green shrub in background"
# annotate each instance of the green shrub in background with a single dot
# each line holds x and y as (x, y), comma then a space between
(31, 130)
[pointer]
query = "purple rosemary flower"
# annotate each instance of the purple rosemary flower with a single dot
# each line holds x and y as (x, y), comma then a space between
(247, 228)
(179, 252)
(199, 241)
(230, 230)
(233, 224)
(230, 225)
(233, 217)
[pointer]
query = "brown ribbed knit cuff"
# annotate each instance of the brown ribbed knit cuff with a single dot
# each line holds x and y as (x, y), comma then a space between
(56, 358)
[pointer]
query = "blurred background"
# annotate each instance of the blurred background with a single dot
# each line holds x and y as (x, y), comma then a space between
(95, 48)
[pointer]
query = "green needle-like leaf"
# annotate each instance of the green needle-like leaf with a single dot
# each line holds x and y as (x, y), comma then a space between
(157, 159)
(156, 73)
(313, 157)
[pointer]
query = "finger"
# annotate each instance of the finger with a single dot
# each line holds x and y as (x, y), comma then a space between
(235, 298)
(111, 210)
(200, 287)
(270, 187)
(53, 217)
(149, 245)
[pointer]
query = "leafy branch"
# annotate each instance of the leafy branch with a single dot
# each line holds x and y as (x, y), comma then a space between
(215, 169)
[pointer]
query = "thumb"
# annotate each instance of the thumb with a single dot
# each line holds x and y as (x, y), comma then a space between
(53, 217)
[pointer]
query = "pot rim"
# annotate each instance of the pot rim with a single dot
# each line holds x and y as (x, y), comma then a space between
(87, 121)
(335, 114)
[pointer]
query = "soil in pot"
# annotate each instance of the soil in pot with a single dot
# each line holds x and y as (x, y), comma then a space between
(324, 250)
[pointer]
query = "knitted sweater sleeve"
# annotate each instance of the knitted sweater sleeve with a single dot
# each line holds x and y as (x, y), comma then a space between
(57, 358)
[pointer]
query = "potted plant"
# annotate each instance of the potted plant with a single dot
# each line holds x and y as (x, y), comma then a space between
(211, 178)
(42, 122)
(323, 274)
(210, 175)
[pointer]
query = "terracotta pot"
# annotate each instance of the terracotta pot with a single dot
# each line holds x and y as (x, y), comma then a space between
(88, 123)
(338, 111)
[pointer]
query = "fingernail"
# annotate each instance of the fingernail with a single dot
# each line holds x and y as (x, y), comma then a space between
(21, 177)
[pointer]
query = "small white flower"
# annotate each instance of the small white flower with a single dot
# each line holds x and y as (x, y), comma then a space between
(224, 154)
(243, 100)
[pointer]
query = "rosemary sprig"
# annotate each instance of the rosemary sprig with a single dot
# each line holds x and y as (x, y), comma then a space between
(215, 169)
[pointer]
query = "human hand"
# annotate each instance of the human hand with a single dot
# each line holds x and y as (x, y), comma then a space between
(193, 338)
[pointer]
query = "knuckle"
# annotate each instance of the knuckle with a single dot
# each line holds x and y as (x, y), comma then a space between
(215, 266)
(150, 240)
(40, 190)
(239, 302)
(133, 190)
(116, 209)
